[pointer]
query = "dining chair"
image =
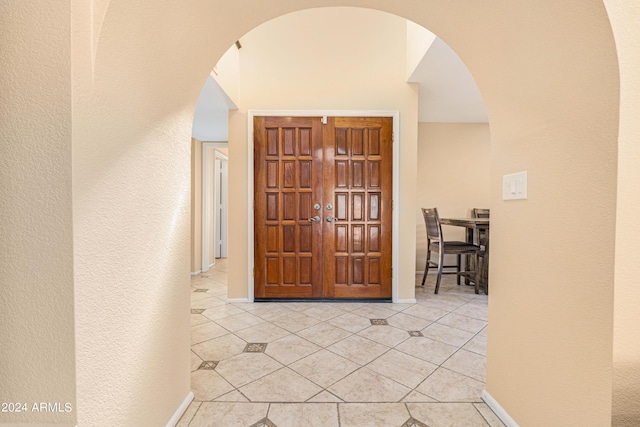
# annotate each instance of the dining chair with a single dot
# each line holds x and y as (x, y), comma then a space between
(483, 241)
(436, 243)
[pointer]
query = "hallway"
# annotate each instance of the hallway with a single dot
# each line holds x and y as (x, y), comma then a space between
(337, 364)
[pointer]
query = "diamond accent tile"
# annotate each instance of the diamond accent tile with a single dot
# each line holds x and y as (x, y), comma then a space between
(255, 347)
(412, 422)
(415, 333)
(379, 321)
(208, 364)
(201, 290)
(197, 310)
(265, 422)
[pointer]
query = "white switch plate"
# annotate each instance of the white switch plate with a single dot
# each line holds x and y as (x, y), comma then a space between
(514, 186)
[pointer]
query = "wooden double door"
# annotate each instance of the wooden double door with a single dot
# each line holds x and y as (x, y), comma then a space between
(323, 207)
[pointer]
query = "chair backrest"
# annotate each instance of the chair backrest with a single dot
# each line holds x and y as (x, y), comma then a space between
(480, 213)
(432, 223)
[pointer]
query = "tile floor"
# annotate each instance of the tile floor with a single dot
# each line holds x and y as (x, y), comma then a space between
(332, 364)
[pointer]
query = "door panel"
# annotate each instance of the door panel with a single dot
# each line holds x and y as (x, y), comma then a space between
(345, 167)
(358, 178)
(288, 180)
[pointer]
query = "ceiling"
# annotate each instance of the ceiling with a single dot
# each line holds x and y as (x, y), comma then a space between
(447, 93)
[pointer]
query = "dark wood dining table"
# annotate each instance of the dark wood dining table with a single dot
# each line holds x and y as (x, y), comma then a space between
(473, 228)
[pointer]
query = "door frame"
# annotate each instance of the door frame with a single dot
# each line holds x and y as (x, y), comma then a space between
(209, 148)
(395, 227)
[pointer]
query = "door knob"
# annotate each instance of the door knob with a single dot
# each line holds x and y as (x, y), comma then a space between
(314, 219)
(330, 218)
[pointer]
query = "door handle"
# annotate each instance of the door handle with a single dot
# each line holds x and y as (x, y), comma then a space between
(314, 219)
(331, 218)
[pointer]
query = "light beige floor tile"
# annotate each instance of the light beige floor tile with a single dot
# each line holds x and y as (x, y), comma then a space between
(290, 348)
(272, 311)
(448, 386)
(383, 334)
(397, 307)
(239, 321)
(195, 361)
(467, 363)
(205, 332)
(447, 414)
(478, 344)
(229, 414)
(198, 319)
(197, 296)
(324, 367)
(427, 349)
(283, 385)
(425, 312)
(246, 367)
(407, 322)
(263, 333)
(325, 396)
(447, 334)
(222, 311)
(407, 370)
(374, 311)
(208, 384)
(188, 414)
(465, 323)
(350, 322)
(323, 334)
(415, 396)
(219, 348)
(358, 349)
(324, 312)
(308, 415)
(365, 385)
(207, 302)
(232, 396)
(220, 292)
(489, 416)
(295, 322)
(475, 310)
(372, 415)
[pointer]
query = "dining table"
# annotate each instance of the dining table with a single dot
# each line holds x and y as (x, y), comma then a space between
(474, 228)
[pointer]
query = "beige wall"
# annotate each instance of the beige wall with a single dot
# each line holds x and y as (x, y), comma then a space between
(453, 175)
(626, 349)
(37, 351)
(548, 72)
(196, 206)
(283, 68)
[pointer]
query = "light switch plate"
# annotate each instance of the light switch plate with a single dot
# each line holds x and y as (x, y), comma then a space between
(514, 186)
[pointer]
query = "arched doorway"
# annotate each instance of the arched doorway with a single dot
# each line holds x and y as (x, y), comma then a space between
(546, 105)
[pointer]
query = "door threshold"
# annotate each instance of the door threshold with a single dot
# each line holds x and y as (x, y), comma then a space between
(345, 300)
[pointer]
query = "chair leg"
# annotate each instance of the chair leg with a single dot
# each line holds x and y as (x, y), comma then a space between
(426, 267)
(458, 268)
(478, 272)
(440, 264)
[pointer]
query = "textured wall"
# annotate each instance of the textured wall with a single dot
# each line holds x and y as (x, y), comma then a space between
(549, 77)
(36, 249)
(625, 16)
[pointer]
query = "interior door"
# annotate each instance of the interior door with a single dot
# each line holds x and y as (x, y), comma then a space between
(322, 207)
(287, 184)
(357, 230)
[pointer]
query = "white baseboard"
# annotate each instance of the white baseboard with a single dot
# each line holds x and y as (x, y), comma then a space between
(195, 273)
(181, 410)
(232, 300)
(498, 410)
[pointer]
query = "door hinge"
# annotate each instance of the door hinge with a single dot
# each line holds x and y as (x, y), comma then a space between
(392, 205)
